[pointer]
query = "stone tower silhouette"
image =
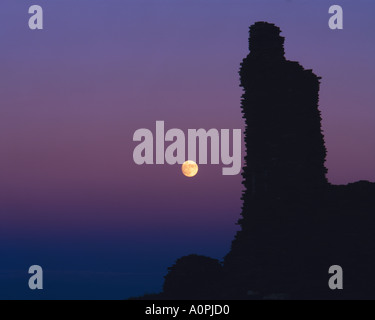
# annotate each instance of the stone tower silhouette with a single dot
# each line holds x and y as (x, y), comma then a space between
(284, 174)
(284, 142)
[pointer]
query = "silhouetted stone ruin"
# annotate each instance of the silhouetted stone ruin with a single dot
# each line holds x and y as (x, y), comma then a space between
(294, 224)
(284, 174)
(285, 146)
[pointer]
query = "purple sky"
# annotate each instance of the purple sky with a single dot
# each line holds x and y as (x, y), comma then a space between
(72, 95)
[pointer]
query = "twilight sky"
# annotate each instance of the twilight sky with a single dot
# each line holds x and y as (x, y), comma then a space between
(72, 95)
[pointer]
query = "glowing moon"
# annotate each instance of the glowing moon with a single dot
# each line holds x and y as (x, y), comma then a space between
(189, 168)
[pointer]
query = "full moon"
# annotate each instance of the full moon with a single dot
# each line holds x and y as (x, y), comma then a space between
(189, 168)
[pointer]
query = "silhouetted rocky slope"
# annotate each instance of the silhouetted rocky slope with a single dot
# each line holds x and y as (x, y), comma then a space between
(288, 258)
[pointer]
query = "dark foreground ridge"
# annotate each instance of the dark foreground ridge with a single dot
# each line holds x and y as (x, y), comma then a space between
(294, 224)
